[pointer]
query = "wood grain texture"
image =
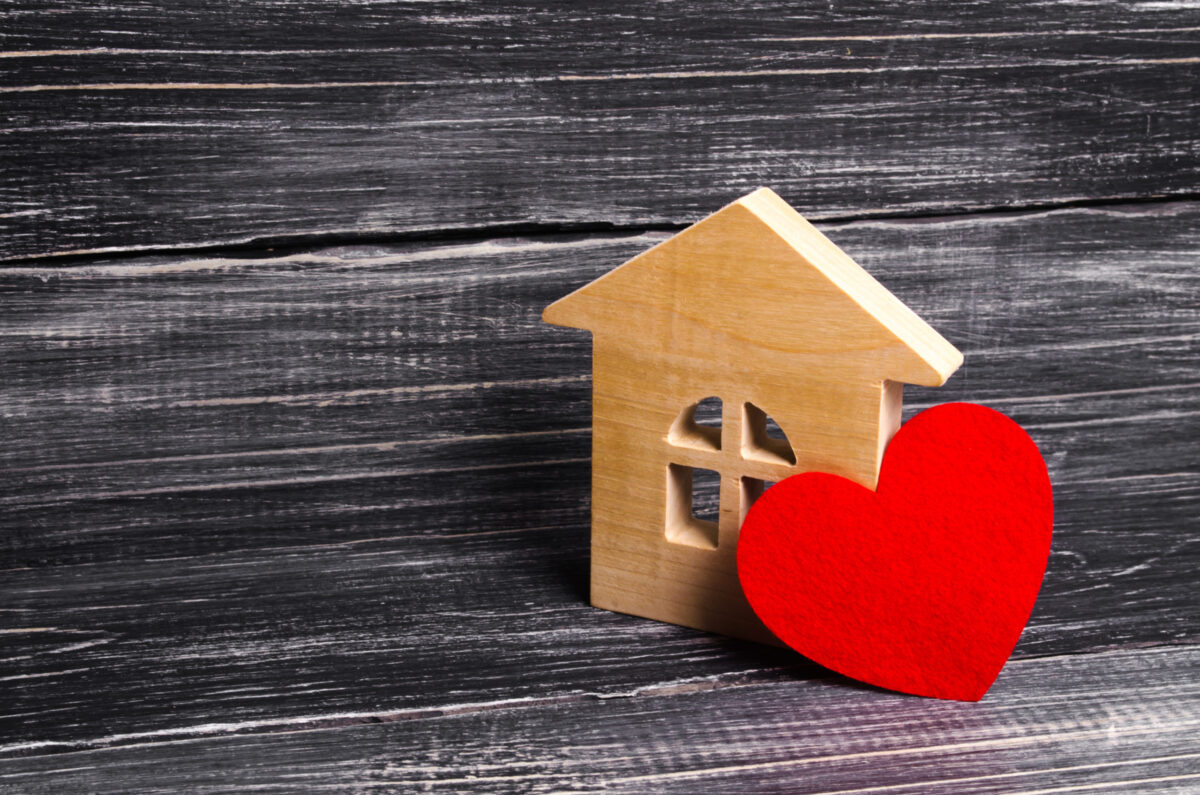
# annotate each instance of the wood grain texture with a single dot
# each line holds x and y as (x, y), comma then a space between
(1041, 730)
(335, 484)
(127, 127)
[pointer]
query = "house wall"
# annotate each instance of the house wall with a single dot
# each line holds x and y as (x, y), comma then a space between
(638, 392)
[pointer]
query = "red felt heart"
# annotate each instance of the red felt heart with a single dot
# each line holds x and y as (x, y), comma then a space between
(924, 585)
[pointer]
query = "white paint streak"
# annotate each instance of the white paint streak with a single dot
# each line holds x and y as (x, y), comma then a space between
(1006, 776)
(1012, 34)
(329, 398)
(87, 644)
(381, 446)
(1105, 32)
(1109, 784)
(210, 729)
(297, 481)
(44, 675)
(1065, 396)
(1105, 732)
(1117, 420)
(49, 772)
(713, 74)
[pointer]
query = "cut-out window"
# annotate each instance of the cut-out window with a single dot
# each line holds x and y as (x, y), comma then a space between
(762, 439)
(693, 503)
(698, 426)
(694, 493)
(752, 489)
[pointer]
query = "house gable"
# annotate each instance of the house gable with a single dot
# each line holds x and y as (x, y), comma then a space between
(756, 275)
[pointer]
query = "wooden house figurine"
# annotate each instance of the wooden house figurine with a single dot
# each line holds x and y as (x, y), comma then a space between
(753, 306)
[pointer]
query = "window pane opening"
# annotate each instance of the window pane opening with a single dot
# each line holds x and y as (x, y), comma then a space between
(763, 439)
(752, 489)
(698, 426)
(693, 505)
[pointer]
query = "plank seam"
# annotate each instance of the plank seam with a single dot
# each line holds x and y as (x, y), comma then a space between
(279, 246)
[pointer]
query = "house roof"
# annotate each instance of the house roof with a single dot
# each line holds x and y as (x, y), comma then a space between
(758, 275)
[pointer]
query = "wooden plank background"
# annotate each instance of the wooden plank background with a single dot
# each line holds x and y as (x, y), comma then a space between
(288, 453)
(1040, 725)
(129, 127)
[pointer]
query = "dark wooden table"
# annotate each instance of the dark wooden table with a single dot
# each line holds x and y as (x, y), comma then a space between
(295, 482)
